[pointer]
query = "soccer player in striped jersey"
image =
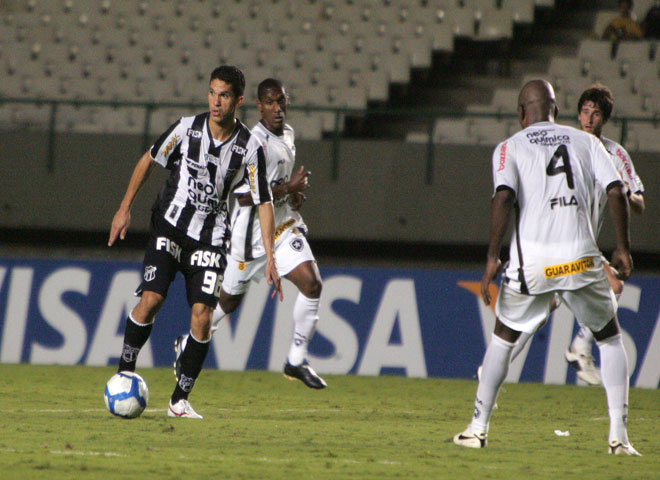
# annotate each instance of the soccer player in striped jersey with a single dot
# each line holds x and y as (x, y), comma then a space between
(546, 175)
(208, 155)
(295, 260)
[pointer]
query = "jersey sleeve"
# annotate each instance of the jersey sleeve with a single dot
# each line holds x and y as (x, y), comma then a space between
(505, 170)
(604, 169)
(162, 152)
(624, 165)
(243, 187)
(257, 176)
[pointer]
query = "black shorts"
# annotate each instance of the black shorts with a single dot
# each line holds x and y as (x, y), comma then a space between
(169, 250)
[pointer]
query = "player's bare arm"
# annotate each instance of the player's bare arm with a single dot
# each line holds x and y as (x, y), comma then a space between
(296, 200)
(636, 201)
(621, 259)
(267, 223)
(297, 184)
(500, 213)
(122, 218)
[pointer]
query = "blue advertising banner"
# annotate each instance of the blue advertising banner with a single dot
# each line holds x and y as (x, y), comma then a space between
(373, 321)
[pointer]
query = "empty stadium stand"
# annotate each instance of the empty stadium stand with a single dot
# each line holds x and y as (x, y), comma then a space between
(330, 53)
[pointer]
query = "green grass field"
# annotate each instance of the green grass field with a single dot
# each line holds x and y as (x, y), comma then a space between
(258, 425)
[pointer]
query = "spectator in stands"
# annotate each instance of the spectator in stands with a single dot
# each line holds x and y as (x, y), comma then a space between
(623, 27)
(651, 22)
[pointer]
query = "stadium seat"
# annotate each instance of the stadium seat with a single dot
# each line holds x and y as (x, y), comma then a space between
(12, 86)
(644, 136)
(566, 67)
(416, 48)
(491, 131)
(250, 117)
(632, 55)
(493, 24)
(596, 57)
(461, 20)
(645, 78)
(522, 11)
(453, 131)
(161, 119)
(441, 36)
(77, 119)
(350, 97)
(376, 84)
(505, 100)
(307, 126)
(603, 18)
(398, 68)
(31, 116)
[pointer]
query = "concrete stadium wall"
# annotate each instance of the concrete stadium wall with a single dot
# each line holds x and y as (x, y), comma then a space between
(380, 194)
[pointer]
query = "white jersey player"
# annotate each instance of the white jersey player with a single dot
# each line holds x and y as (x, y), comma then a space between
(246, 244)
(294, 258)
(547, 174)
(594, 109)
(564, 165)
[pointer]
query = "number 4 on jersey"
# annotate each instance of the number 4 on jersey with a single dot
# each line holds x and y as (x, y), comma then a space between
(553, 169)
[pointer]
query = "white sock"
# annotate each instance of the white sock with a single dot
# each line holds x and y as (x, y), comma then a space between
(520, 344)
(614, 372)
(218, 315)
(582, 341)
(305, 316)
(494, 369)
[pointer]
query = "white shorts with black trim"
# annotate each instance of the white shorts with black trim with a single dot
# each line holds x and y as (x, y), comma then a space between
(593, 305)
(291, 250)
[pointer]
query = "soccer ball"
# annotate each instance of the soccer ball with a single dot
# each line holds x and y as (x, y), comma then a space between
(126, 394)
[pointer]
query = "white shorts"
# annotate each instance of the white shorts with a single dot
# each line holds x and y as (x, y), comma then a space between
(593, 306)
(291, 251)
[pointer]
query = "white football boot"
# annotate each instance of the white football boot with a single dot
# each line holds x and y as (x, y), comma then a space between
(618, 448)
(583, 363)
(182, 409)
(471, 440)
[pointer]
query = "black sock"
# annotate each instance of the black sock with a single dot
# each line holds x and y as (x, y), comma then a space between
(192, 359)
(135, 336)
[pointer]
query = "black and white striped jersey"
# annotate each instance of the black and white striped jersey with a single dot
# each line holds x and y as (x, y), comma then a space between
(203, 173)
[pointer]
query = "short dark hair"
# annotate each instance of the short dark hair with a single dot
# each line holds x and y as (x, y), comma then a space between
(231, 75)
(599, 95)
(266, 84)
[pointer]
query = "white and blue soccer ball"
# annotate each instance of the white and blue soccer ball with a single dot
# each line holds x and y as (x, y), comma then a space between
(126, 394)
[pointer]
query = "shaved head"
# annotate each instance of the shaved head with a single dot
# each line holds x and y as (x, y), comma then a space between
(536, 103)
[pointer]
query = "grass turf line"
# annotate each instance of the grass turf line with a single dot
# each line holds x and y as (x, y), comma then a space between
(258, 425)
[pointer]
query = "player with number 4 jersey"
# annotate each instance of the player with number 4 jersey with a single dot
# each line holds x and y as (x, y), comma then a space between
(545, 177)
(553, 170)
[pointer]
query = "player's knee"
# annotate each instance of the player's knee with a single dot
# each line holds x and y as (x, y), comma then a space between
(312, 288)
(617, 287)
(200, 323)
(608, 331)
(148, 307)
(229, 303)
